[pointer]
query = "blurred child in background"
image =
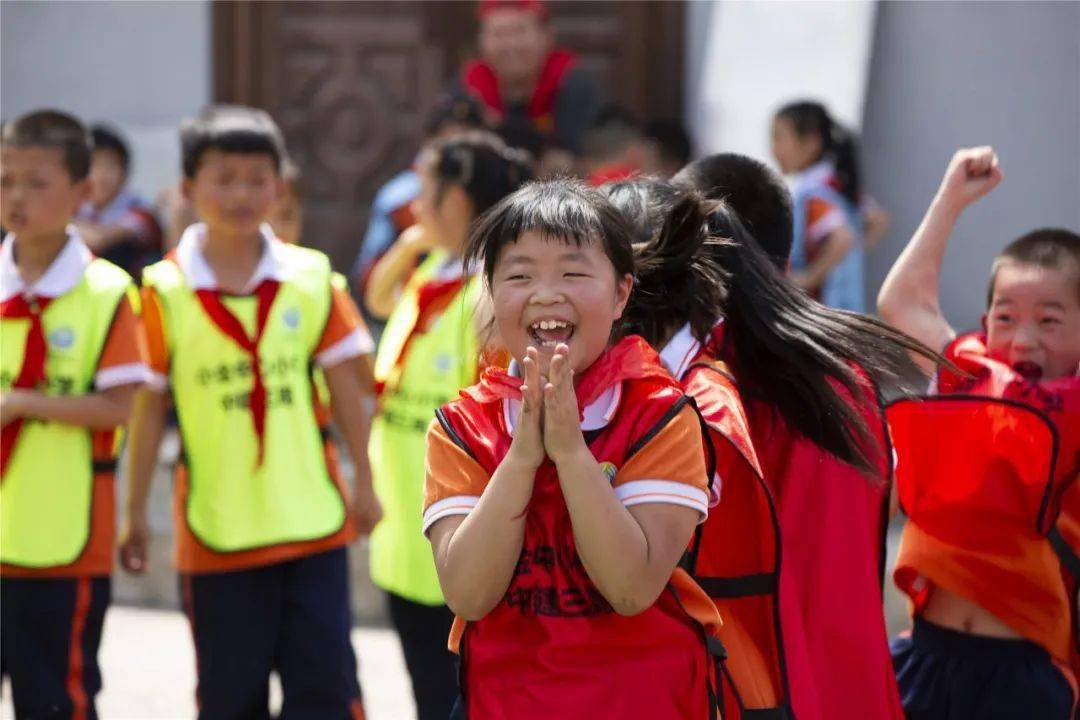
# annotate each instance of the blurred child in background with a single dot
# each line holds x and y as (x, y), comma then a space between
(835, 222)
(115, 223)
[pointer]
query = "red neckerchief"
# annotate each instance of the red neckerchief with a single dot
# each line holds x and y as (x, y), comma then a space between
(232, 327)
(631, 358)
(612, 173)
(480, 79)
(432, 299)
(32, 372)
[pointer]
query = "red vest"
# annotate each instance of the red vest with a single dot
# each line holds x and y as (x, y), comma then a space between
(554, 647)
(480, 80)
(990, 459)
(793, 557)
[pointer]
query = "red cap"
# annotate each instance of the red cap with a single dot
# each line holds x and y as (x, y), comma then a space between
(537, 6)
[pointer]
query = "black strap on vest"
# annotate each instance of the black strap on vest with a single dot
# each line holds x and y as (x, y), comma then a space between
(1065, 553)
(739, 586)
(104, 466)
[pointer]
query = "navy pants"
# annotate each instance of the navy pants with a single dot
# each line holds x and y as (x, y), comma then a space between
(292, 617)
(423, 630)
(948, 675)
(50, 631)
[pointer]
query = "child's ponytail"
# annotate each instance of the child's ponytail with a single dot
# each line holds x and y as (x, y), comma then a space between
(673, 277)
(837, 143)
(788, 351)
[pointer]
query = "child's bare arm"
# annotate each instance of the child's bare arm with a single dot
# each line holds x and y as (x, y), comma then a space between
(346, 400)
(910, 296)
(629, 553)
(475, 555)
(391, 272)
(833, 249)
(140, 461)
(101, 410)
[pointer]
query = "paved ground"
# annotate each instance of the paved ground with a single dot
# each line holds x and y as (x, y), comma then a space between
(149, 670)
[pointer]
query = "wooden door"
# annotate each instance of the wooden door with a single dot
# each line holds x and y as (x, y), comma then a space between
(350, 83)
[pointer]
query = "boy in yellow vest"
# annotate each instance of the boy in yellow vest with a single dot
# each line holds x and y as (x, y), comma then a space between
(72, 357)
(235, 320)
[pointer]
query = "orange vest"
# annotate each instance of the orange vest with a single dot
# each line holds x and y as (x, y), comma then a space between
(778, 493)
(554, 647)
(983, 467)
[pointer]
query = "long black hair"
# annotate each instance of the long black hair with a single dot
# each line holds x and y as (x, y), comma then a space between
(837, 142)
(698, 264)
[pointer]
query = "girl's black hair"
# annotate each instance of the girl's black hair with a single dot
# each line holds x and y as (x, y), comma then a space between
(837, 142)
(563, 210)
(478, 161)
(786, 350)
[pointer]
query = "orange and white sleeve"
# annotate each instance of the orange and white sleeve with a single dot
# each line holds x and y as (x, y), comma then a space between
(822, 219)
(454, 479)
(124, 359)
(670, 468)
(156, 345)
(346, 336)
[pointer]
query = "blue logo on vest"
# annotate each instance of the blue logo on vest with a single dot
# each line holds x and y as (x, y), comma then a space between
(292, 318)
(62, 338)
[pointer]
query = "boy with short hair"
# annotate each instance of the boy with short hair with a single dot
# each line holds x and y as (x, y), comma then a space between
(116, 223)
(73, 356)
(235, 320)
(991, 455)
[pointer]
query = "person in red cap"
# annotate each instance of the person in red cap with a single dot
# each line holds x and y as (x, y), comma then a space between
(523, 80)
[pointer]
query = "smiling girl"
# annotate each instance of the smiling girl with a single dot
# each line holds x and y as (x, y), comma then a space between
(561, 493)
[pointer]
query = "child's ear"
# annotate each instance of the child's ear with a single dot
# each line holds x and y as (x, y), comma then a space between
(623, 287)
(984, 322)
(82, 190)
(185, 189)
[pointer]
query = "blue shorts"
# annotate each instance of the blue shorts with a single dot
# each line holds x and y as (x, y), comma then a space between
(944, 674)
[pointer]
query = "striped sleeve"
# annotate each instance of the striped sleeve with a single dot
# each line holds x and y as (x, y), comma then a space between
(670, 468)
(454, 480)
(822, 219)
(156, 345)
(124, 358)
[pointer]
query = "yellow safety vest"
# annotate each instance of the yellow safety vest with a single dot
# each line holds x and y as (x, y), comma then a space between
(437, 364)
(47, 492)
(234, 503)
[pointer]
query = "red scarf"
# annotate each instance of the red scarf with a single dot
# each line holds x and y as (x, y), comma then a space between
(433, 297)
(32, 372)
(480, 79)
(231, 326)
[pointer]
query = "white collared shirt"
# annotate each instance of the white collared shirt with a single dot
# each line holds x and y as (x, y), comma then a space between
(63, 275)
(272, 265)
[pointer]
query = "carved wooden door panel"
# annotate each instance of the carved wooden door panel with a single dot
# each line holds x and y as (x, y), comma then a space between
(350, 83)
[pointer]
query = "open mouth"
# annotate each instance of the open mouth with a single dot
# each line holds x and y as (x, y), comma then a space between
(1028, 370)
(549, 333)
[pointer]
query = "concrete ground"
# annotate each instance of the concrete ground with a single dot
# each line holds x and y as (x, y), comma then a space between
(149, 670)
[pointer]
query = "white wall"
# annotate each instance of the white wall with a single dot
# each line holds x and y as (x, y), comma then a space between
(952, 74)
(746, 59)
(141, 66)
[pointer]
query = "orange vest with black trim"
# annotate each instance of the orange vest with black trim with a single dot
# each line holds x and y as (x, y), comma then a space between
(989, 461)
(805, 638)
(554, 647)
